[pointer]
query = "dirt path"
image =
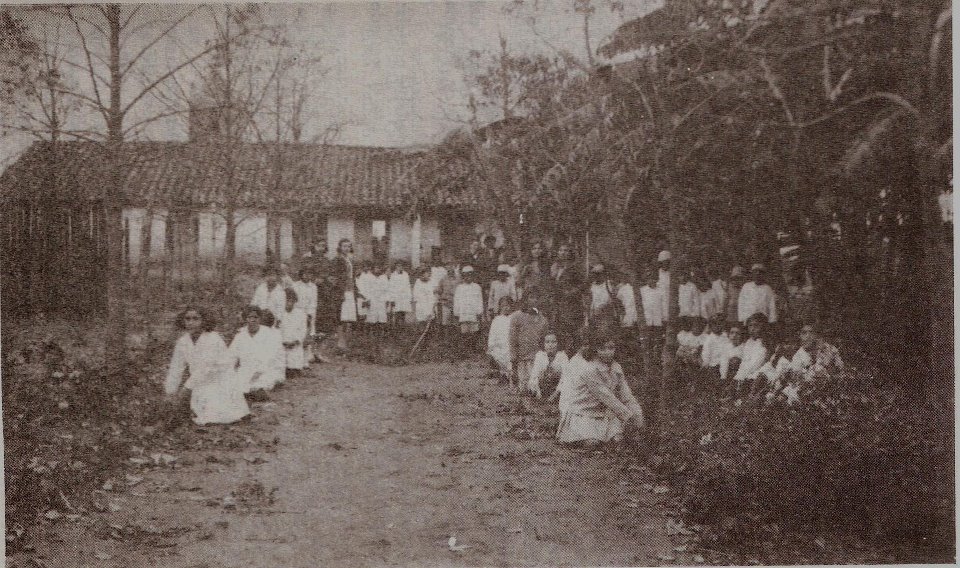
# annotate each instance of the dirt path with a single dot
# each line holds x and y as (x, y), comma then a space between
(373, 466)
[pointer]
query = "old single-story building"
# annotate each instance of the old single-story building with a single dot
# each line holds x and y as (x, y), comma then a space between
(177, 195)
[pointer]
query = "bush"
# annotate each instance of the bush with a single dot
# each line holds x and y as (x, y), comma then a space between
(849, 460)
(68, 425)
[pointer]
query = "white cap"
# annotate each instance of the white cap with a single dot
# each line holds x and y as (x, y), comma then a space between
(663, 256)
(758, 266)
(737, 271)
(503, 268)
(597, 268)
(466, 269)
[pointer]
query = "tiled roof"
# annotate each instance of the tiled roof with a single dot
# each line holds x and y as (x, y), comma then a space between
(194, 174)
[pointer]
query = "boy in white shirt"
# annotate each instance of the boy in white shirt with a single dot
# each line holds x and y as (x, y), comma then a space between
(468, 309)
(293, 328)
(715, 344)
(364, 280)
(424, 297)
(757, 297)
(651, 302)
(688, 297)
(690, 342)
(731, 356)
(377, 292)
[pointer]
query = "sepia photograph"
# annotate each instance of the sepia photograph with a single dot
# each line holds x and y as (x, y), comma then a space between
(512, 283)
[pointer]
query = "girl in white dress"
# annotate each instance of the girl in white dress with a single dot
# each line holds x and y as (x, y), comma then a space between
(597, 404)
(269, 293)
(548, 367)
(258, 352)
(401, 294)
(293, 327)
(498, 343)
(306, 289)
(216, 394)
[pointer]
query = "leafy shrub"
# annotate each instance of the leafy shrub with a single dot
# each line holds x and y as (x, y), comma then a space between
(848, 460)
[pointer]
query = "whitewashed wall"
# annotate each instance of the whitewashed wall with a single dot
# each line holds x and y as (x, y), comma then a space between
(252, 235)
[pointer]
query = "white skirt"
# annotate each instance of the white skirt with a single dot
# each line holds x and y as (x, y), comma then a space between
(348, 309)
(219, 399)
(578, 427)
(378, 312)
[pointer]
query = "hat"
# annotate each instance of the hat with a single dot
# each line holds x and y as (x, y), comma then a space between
(466, 269)
(737, 271)
(503, 268)
(596, 268)
(663, 256)
(757, 266)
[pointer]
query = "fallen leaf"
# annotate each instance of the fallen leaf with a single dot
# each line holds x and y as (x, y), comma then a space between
(101, 555)
(52, 514)
(660, 490)
(666, 558)
(133, 479)
(108, 485)
(453, 546)
(517, 530)
(820, 542)
(698, 559)
(675, 528)
(113, 507)
(681, 548)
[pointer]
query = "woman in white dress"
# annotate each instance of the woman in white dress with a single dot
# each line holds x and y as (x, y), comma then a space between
(257, 350)
(216, 394)
(597, 404)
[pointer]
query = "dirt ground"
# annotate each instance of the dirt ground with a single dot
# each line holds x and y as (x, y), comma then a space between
(356, 464)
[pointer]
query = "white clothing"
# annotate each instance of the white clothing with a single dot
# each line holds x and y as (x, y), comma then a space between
(663, 284)
(541, 364)
(274, 301)
(293, 327)
(216, 393)
(710, 304)
(400, 292)
(378, 294)
(348, 309)
(719, 288)
(437, 273)
(468, 302)
(363, 282)
(730, 351)
(424, 299)
(498, 342)
(306, 299)
(714, 346)
(757, 299)
(753, 358)
(574, 367)
(689, 300)
(259, 353)
(287, 281)
(629, 302)
(499, 290)
(651, 299)
(599, 296)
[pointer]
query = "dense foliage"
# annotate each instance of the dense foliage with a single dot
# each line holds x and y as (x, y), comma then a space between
(850, 462)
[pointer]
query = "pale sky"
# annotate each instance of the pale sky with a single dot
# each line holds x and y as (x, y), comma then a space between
(395, 72)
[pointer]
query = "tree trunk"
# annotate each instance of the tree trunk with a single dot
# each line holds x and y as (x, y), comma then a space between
(230, 250)
(113, 205)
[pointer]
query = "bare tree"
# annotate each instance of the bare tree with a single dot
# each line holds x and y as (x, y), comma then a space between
(112, 42)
